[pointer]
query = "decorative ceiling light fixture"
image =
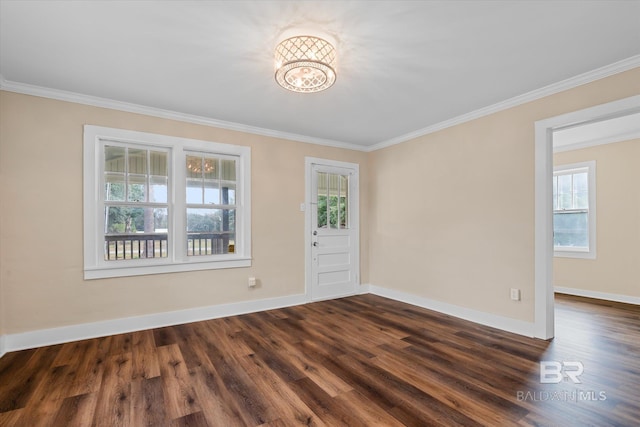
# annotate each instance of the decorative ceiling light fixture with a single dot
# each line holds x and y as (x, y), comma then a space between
(196, 165)
(305, 64)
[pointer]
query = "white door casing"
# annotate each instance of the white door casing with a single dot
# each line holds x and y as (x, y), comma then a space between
(331, 228)
(544, 291)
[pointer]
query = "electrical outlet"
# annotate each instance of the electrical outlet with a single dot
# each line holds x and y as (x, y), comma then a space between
(252, 282)
(515, 294)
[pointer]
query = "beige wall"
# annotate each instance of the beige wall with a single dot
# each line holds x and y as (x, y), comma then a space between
(41, 220)
(616, 269)
(453, 212)
(448, 216)
(2, 309)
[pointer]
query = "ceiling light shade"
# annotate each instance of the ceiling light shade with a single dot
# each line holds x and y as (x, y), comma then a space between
(305, 64)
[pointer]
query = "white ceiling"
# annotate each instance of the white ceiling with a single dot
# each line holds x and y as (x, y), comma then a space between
(403, 65)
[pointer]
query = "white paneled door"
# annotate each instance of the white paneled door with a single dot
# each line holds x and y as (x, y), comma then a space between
(333, 229)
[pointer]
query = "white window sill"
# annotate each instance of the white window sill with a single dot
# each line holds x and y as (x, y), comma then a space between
(124, 271)
(574, 253)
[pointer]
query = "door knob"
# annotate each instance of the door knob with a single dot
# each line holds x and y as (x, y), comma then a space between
(315, 232)
(315, 243)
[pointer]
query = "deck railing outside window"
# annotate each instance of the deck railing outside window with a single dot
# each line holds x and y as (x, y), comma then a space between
(155, 245)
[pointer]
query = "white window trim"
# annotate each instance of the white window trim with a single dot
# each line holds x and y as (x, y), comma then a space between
(589, 253)
(95, 267)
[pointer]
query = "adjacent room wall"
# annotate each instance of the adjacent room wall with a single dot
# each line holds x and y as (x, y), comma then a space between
(2, 310)
(616, 269)
(41, 223)
(2, 333)
(452, 212)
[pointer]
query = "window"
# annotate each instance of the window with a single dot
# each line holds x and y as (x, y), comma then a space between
(333, 201)
(211, 204)
(156, 204)
(574, 214)
(135, 202)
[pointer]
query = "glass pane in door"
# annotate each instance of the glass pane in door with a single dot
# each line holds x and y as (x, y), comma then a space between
(322, 200)
(344, 202)
(332, 201)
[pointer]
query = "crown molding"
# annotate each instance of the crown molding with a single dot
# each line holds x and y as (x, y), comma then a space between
(570, 83)
(94, 101)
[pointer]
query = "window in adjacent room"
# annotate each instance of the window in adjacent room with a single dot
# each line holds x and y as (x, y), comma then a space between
(574, 213)
(155, 204)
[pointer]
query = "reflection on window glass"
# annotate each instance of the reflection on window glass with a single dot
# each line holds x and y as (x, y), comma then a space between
(228, 170)
(137, 161)
(159, 177)
(211, 185)
(114, 159)
(210, 180)
(194, 167)
(114, 187)
(158, 189)
(158, 161)
(137, 191)
(210, 168)
(136, 228)
(135, 175)
(194, 191)
(211, 192)
(228, 194)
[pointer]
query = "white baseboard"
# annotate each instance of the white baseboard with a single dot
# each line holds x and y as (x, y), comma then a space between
(64, 334)
(597, 295)
(504, 323)
(44, 337)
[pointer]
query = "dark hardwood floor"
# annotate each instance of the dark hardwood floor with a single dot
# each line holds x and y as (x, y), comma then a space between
(358, 361)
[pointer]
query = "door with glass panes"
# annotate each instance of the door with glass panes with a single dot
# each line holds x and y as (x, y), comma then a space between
(334, 231)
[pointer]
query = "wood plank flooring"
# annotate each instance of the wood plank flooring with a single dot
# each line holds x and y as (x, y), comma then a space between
(358, 361)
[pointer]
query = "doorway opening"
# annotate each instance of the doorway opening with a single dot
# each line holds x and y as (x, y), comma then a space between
(544, 238)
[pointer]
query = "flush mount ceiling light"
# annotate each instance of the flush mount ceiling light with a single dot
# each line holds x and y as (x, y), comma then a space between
(305, 64)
